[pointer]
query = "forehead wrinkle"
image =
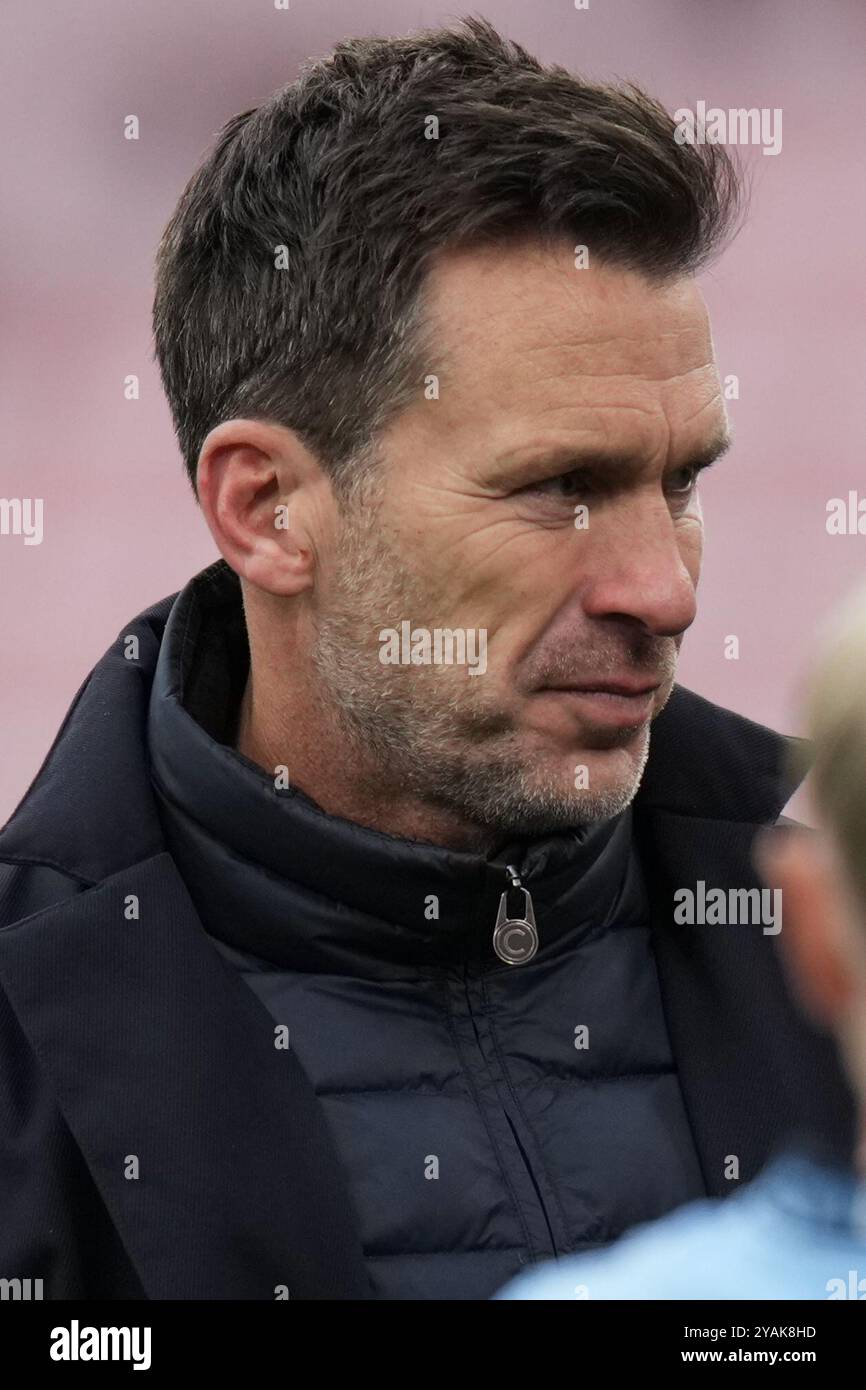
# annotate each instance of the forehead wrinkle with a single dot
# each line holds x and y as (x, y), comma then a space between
(488, 368)
(725, 425)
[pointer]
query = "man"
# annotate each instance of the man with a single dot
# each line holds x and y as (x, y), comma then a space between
(799, 1230)
(340, 957)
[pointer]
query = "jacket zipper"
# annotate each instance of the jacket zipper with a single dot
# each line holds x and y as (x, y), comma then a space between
(515, 941)
(554, 1252)
(515, 938)
(538, 1230)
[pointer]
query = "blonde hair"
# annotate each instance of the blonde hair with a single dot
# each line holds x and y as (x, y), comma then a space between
(836, 708)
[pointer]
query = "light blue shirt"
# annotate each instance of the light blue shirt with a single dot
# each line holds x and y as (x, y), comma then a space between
(798, 1230)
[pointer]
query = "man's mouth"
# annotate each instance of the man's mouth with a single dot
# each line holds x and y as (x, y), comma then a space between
(615, 702)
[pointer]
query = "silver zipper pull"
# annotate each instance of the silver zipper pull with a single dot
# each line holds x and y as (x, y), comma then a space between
(515, 939)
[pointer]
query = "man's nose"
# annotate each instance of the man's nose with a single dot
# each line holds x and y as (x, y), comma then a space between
(637, 571)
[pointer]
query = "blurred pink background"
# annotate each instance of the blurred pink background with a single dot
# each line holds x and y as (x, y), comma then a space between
(84, 208)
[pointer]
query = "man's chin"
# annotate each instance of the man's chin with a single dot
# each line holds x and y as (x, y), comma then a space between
(606, 781)
(594, 786)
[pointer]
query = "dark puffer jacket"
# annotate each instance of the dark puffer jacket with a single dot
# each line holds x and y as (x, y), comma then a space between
(438, 1118)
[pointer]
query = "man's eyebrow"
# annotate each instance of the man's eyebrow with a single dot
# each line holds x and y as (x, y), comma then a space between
(712, 451)
(569, 458)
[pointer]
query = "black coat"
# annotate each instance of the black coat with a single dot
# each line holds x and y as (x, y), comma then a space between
(116, 1041)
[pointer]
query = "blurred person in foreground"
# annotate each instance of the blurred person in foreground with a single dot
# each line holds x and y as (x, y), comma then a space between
(798, 1230)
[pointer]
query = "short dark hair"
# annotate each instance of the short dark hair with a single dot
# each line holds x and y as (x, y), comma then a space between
(338, 168)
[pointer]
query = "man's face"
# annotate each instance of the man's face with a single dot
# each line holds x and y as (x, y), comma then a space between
(558, 388)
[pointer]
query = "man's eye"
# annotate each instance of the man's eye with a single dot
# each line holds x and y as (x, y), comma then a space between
(688, 477)
(571, 484)
(576, 483)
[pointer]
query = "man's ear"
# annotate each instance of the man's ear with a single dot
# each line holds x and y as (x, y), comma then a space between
(813, 930)
(255, 483)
